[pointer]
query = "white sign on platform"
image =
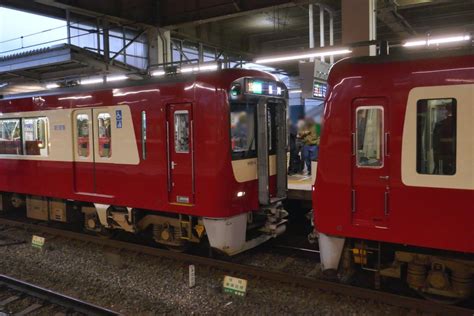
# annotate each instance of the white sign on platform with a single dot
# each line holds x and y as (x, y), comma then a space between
(37, 241)
(235, 286)
(192, 275)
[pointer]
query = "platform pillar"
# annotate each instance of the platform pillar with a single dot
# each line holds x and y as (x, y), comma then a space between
(359, 24)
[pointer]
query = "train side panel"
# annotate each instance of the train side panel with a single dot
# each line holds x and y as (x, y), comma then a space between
(424, 214)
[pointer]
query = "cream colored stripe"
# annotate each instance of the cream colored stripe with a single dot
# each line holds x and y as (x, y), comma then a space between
(464, 176)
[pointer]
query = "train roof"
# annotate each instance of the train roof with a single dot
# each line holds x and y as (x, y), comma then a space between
(232, 74)
(412, 56)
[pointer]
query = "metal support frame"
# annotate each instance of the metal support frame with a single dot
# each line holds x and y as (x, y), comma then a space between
(262, 153)
(311, 27)
(321, 28)
(68, 23)
(127, 45)
(105, 27)
(322, 8)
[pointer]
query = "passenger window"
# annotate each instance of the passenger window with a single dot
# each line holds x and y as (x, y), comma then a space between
(242, 131)
(369, 137)
(35, 136)
(181, 131)
(82, 125)
(436, 137)
(10, 137)
(105, 135)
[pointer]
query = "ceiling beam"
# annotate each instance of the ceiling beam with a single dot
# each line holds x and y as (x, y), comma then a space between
(235, 13)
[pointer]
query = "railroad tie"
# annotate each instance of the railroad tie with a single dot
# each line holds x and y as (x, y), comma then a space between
(9, 300)
(29, 309)
(285, 263)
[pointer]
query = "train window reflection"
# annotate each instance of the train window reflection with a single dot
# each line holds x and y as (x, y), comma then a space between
(10, 137)
(35, 136)
(82, 125)
(181, 131)
(105, 135)
(369, 137)
(436, 137)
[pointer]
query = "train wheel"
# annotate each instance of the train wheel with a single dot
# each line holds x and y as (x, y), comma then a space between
(170, 237)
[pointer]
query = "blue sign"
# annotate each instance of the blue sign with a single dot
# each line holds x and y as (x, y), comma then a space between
(118, 118)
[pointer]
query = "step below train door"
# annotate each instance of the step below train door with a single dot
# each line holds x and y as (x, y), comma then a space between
(83, 149)
(180, 153)
(370, 163)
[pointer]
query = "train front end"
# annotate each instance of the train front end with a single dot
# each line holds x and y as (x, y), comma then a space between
(258, 145)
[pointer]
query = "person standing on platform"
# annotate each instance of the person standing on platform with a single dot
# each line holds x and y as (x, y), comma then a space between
(310, 143)
(295, 162)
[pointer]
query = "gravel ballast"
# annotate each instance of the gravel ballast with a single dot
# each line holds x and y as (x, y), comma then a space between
(143, 285)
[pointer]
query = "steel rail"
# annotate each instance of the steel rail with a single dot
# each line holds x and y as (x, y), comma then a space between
(258, 272)
(67, 302)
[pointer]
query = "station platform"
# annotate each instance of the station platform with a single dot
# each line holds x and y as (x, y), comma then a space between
(299, 187)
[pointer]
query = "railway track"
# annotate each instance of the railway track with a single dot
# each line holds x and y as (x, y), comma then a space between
(21, 298)
(254, 271)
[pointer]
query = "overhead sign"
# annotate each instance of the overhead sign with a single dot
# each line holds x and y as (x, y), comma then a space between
(235, 286)
(313, 76)
(319, 89)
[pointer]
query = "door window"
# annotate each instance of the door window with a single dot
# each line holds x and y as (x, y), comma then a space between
(105, 135)
(369, 137)
(181, 131)
(436, 137)
(35, 136)
(82, 125)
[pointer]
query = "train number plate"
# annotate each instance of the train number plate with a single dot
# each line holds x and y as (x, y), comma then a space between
(182, 199)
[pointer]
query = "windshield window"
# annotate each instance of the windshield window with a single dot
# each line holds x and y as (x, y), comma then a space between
(242, 131)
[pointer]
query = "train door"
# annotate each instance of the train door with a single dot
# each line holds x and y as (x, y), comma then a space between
(180, 153)
(83, 148)
(370, 162)
(103, 148)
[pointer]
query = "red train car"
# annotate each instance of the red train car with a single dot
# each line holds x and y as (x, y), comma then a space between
(395, 177)
(185, 157)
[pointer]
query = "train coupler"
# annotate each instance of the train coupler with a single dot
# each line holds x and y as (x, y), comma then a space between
(275, 224)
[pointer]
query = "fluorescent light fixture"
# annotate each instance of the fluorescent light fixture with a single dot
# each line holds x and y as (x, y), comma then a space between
(52, 86)
(302, 55)
(158, 73)
(3, 84)
(295, 91)
(199, 68)
(92, 81)
(439, 40)
(116, 78)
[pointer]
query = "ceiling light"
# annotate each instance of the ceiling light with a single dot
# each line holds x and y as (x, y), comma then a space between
(302, 55)
(52, 86)
(295, 91)
(158, 73)
(116, 78)
(199, 68)
(439, 40)
(92, 81)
